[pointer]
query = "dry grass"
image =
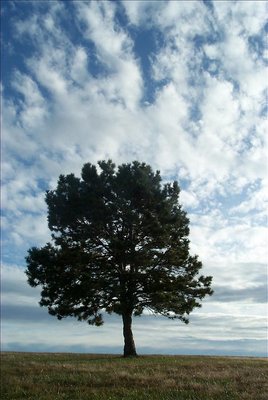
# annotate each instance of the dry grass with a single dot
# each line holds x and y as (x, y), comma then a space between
(40, 376)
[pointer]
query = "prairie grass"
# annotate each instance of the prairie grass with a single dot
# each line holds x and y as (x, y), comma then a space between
(58, 376)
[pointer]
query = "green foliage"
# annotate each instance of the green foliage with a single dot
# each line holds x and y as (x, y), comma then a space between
(120, 244)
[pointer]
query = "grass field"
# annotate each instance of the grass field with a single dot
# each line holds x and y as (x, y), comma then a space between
(45, 376)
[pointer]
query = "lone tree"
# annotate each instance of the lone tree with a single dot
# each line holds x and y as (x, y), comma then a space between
(119, 244)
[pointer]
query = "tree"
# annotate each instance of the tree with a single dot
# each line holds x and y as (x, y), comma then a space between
(119, 244)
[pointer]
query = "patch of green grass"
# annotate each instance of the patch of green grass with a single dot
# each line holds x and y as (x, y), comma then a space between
(44, 376)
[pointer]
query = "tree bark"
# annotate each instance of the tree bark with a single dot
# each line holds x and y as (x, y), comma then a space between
(129, 347)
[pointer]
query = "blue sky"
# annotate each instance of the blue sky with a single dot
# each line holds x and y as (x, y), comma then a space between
(180, 85)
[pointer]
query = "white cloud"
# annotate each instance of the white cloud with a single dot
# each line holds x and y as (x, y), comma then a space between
(240, 243)
(15, 290)
(248, 17)
(208, 331)
(79, 68)
(114, 50)
(33, 108)
(188, 199)
(204, 124)
(256, 201)
(142, 12)
(211, 50)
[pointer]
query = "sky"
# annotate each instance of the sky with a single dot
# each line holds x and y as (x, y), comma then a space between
(180, 85)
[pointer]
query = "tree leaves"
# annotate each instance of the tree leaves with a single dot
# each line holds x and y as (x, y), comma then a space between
(119, 242)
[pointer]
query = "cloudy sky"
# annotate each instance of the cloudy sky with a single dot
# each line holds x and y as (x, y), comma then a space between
(179, 85)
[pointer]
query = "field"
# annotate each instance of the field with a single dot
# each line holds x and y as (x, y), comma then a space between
(45, 376)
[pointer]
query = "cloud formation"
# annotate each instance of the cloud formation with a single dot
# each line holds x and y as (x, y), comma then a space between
(180, 86)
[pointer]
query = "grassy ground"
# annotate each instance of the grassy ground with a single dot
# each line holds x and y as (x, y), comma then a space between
(43, 376)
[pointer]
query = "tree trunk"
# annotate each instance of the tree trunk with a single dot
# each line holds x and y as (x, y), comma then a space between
(129, 347)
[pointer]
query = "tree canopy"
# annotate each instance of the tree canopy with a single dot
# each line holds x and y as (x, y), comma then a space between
(119, 244)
